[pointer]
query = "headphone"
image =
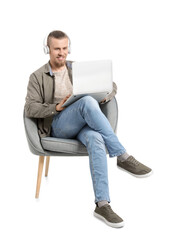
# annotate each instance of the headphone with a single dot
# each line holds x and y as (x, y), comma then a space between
(46, 48)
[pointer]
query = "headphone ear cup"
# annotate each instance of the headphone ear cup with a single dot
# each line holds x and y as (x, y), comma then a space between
(46, 49)
(69, 46)
(69, 49)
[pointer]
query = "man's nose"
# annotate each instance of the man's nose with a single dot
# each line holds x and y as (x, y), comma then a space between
(60, 51)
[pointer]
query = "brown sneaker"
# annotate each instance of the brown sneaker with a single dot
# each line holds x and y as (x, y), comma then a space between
(108, 216)
(132, 166)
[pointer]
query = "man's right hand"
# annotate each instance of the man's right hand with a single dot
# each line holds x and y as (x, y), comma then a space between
(59, 106)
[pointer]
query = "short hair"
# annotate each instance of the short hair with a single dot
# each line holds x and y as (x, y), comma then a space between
(56, 34)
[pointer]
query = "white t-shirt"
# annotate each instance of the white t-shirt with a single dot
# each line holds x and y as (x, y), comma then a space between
(63, 85)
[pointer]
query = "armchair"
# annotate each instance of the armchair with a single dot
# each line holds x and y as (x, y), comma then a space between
(50, 146)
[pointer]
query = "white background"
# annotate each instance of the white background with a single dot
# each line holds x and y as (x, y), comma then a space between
(137, 36)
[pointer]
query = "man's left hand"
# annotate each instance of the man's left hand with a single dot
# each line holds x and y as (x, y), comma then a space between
(104, 100)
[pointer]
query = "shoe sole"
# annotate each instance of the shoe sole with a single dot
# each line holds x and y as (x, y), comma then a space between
(114, 225)
(136, 175)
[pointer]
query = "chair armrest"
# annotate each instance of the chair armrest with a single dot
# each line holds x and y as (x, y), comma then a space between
(32, 135)
(110, 110)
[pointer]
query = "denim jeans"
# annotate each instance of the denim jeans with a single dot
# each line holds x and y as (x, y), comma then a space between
(85, 121)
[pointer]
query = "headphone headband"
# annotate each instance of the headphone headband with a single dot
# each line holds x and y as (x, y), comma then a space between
(46, 47)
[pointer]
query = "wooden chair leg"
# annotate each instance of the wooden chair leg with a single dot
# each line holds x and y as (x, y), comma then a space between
(47, 165)
(40, 170)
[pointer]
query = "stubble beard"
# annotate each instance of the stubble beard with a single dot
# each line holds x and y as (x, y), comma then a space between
(60, 64)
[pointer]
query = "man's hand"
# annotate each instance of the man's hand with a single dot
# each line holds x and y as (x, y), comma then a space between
(102, 101)
(59, 106)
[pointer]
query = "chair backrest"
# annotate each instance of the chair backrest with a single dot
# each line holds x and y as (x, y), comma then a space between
(110, 109)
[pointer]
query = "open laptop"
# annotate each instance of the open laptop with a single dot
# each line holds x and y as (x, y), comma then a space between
(93, 78)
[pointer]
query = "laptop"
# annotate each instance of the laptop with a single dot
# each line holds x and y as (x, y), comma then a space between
(91, 78)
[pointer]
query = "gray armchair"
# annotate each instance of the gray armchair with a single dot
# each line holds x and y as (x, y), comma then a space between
(50, 146)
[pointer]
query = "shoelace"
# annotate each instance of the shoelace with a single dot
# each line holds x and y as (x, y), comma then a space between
(109, 209)
(133, 160)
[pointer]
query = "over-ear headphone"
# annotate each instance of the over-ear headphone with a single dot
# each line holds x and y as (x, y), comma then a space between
(46, 48)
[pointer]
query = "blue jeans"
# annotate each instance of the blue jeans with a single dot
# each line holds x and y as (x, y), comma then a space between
(85, 121)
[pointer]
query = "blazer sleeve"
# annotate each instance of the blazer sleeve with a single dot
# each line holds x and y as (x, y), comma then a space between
(34, 103)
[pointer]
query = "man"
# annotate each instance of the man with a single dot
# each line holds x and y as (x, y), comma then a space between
(49, 87)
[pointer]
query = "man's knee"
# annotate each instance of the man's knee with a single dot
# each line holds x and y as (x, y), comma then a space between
(89, 102)
(88, 99)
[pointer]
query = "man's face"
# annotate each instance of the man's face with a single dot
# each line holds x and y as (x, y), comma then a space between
(58, 51)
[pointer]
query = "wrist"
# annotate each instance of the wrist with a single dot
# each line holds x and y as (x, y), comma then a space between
(57, 107)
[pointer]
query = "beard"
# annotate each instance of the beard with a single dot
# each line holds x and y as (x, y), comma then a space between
(57, 63)
(60, 64)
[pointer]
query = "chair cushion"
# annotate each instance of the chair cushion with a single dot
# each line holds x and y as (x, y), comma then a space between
(72, 146)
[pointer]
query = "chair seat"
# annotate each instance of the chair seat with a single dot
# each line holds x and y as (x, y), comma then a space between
(72, 146)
